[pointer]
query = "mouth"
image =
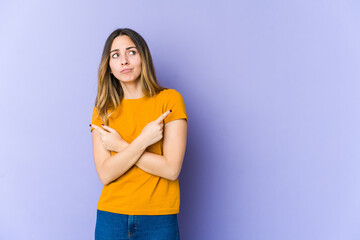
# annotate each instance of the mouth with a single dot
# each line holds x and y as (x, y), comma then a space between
(126, 70)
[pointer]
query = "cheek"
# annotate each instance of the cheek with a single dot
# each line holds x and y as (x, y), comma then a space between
(112, 65)
(138, 63)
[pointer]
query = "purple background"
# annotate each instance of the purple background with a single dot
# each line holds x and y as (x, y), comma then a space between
(272, 94)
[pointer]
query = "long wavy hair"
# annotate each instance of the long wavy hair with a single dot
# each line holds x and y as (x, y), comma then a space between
(110, 92)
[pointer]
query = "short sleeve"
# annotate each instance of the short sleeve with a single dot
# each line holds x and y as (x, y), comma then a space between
(96, 120)
(175, 102)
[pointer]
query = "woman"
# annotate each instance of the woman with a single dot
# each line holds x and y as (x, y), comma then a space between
(139, 141)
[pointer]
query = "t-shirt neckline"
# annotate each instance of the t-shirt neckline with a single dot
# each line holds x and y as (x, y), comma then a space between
(133, 99)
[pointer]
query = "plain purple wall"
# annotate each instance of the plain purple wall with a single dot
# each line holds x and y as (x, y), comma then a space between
(272, 94)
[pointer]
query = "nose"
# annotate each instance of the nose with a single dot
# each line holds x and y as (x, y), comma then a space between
(124, 59)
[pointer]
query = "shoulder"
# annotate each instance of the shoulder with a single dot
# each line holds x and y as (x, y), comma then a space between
(95, 111)
(170, 93)
(175, 102)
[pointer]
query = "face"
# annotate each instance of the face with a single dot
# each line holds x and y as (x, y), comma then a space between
(125, 60)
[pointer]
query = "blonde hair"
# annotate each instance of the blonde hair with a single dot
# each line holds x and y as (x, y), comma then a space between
(110, 92)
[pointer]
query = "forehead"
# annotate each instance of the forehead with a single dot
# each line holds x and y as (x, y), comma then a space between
(122, 42)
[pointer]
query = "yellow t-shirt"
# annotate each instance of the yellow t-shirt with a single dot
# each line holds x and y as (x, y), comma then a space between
(137, 192)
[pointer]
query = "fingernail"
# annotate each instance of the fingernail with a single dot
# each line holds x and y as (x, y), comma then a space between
(170, 110)
(90, 124)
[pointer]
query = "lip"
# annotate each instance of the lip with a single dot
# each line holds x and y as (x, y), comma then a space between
(126, 70)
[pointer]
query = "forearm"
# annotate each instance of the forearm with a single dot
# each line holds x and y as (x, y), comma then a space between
(115, 166)
(152, 163)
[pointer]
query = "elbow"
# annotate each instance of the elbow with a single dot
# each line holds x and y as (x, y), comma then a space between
(104, 183)
(104, 180)
(107, 179)
(174, 173)
(174, 176)
(104, 176)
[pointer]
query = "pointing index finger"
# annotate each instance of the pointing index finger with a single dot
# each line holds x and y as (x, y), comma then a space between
(164, 115)
(96, 127)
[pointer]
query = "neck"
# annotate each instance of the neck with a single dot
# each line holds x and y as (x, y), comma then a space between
(132, 90)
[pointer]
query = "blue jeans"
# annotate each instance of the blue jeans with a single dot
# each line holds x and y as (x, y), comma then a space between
(114, 226)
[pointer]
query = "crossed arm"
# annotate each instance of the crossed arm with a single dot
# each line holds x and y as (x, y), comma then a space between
(167, 165)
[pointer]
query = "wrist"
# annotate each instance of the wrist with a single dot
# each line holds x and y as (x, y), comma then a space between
(122, 145)
(140, 142)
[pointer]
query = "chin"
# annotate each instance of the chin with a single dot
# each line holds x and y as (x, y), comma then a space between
(129, 80)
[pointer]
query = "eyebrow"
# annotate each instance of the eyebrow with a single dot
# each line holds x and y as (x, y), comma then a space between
(118, 49)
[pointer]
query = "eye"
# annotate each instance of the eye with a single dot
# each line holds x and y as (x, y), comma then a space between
(114, 55)
(133, 52)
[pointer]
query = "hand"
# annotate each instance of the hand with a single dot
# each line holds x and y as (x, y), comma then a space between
(111, 139)
(153, 131)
